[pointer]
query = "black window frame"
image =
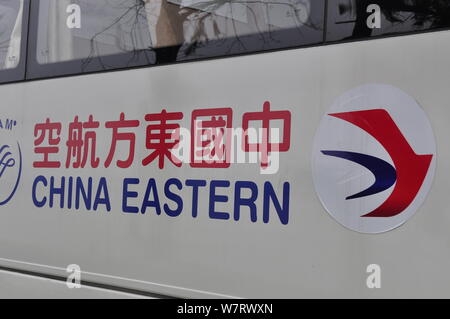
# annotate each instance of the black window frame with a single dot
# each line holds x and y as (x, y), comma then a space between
(34, 71)
(18, 73)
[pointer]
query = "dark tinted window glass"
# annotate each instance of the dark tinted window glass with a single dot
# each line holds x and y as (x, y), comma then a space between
(75, 36)
(353, 19)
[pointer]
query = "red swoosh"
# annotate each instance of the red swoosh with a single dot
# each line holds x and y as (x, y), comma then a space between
(411, 168)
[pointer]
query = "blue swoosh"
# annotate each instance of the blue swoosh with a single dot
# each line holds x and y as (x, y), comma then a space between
(18, 178)
(385, 174)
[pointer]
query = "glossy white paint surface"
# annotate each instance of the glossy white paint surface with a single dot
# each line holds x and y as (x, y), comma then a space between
(312, 256)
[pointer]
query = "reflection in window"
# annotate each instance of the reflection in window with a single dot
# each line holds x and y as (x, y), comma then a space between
(347, 19)
(107, 27)
(10, 33)
(170, 30)
(209, 28)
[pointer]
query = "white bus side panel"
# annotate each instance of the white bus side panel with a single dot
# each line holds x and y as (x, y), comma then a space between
(311, 256)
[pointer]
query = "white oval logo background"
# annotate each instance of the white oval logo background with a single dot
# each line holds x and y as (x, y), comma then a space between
(336, 179)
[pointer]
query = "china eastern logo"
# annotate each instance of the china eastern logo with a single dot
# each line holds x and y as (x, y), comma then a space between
(374, 158)
(10, 161)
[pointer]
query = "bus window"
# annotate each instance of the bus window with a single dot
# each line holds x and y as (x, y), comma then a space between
(10, 33)
(212, 28)
(356, 19)
(13, 28)
(88, 35)
(85, 30)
